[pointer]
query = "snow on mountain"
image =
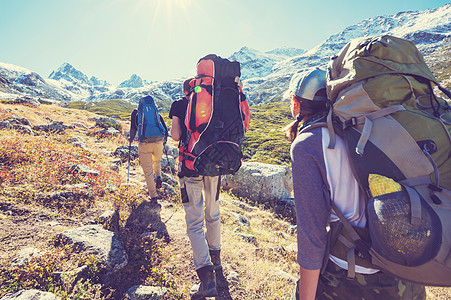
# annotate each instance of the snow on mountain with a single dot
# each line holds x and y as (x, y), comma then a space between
(260, 64)
(16, 81)
(94, 81)
(134, 82)
(70, 74)
(287, 51)
(266, 75)
(429, 29)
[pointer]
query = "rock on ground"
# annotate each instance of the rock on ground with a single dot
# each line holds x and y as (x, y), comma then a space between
(30, 295)
(260, 182)
(93, 239)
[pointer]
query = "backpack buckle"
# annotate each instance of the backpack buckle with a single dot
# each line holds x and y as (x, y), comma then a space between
(350, 123)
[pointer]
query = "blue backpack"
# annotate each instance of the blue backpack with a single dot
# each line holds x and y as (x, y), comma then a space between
(150, 128)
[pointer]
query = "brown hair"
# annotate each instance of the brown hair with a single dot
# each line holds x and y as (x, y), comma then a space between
(308, 110)
(187, 86)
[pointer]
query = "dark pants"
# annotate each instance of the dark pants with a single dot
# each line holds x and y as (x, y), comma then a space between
(333, 284)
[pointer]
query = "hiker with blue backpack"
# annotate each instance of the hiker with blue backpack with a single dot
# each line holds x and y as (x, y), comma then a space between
(325, 187)
(152, 136)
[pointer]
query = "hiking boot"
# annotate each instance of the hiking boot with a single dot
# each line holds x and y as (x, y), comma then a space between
(207, 287)
(158, 182)
(215, 256)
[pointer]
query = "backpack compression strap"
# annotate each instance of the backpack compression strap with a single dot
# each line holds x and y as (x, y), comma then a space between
(368, 124)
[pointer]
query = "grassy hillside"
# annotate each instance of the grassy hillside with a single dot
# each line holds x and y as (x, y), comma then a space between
(111, 108)
(35, 167)
(440, 64)
(264, 141)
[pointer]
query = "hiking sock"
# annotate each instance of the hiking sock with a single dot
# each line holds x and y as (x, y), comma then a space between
(215, 256)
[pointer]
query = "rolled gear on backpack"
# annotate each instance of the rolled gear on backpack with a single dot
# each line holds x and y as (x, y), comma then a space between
(384, 106)
(217, 118)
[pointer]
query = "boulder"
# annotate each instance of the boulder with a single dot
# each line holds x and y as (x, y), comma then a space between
(167, 162)
(110, 131)
(109, 219)
(30, 295)
(25, 129)
(79, 125)
(260, 182)
(5, 124)
(94, 239)
(169, 190)
(20, 120)
(28, 100)
(250, 238)
(122, 152)
(105, 122)
(143, 292)
(55, 127)
(171, 150)
(22, 257)
(82, 170)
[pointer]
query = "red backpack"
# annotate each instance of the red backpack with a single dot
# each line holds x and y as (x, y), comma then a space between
(217, 118)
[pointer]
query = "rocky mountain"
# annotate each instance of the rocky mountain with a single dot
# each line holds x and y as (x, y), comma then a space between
(260, 64)
(429, 29)
(266, 75)
(134, 82)
(16, 81)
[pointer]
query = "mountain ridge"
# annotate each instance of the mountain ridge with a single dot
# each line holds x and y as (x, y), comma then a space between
(265, 75)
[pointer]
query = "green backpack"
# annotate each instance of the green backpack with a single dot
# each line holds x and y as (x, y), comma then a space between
(384, 107)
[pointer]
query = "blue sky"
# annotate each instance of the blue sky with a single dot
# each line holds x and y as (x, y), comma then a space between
(163, 39)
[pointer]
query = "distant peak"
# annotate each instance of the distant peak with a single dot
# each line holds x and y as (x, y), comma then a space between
(134, 82)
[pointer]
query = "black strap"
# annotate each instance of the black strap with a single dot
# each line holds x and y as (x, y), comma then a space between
(361, 246)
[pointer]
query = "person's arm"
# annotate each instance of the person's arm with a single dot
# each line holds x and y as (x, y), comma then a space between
(312, 208)
(133, 125)
(164, 125)
(308, 284)
(176, 128)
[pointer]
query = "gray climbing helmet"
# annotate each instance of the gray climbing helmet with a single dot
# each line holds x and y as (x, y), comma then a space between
(307, 84)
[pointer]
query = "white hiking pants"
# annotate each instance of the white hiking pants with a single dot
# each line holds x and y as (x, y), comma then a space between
(197, 191)
(150, 155)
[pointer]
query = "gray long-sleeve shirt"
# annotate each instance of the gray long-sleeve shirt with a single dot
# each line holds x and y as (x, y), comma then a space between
(312, 208)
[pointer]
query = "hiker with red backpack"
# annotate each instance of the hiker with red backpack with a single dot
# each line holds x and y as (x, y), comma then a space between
(152, 136)
(324, 188)
(209, 122)
(196, 190)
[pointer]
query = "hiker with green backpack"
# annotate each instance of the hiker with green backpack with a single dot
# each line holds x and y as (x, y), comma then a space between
(323, 181)
(152, 136)
(372, 166)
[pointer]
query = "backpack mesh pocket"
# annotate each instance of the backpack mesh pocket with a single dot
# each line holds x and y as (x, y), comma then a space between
(395, 238)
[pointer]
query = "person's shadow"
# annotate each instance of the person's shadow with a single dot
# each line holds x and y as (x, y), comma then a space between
(146, 220)
(222, 286)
